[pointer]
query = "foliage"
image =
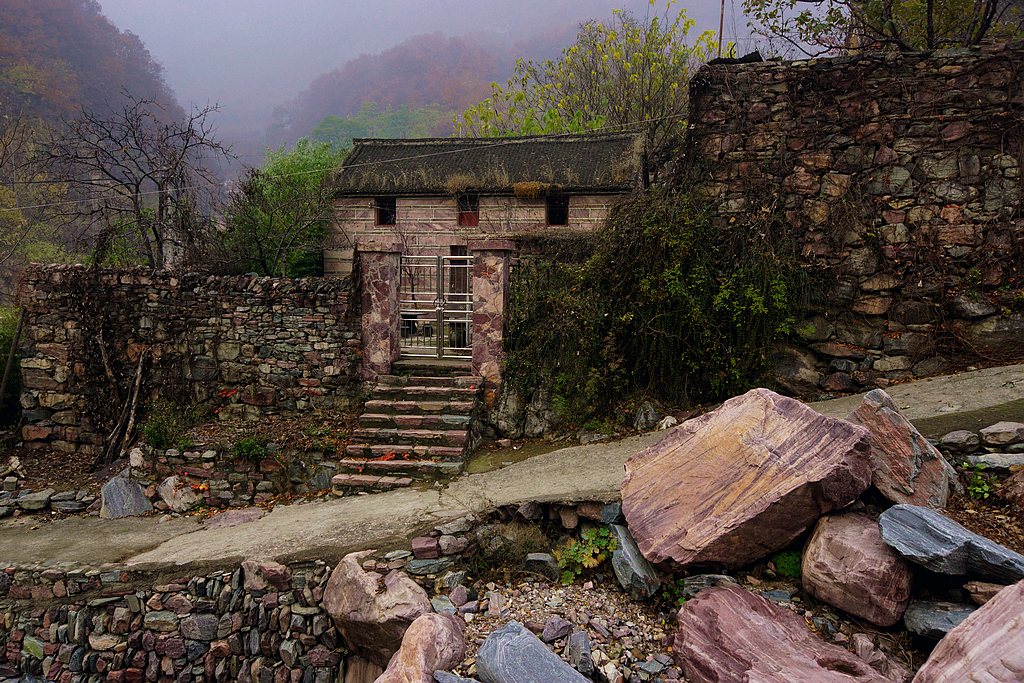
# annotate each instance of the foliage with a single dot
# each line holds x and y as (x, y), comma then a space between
(276, 217)
(835, 25)
(978, 484)
(249, 448)
(9, 408)
(676, 591)
(373, 121)
(787, 563)
(166, 423)
(670, 304)
(594, 546)
(139, 173)
(628, 74)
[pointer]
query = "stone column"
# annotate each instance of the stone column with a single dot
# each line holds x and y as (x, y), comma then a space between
(379, 270)
(490, 295)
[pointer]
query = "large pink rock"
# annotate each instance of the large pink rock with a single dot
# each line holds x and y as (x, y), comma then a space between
(986, 646)
(736, 484)
(847, 565)
(729, 635)
(434, 642)
(906, 468)
(372, 622)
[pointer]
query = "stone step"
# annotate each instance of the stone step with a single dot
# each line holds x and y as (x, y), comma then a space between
(424, 393)
(382, 407)
(414, 469)
(423, 421)
(470, 381)
(341, 483)
(366, 450)
(411, 437)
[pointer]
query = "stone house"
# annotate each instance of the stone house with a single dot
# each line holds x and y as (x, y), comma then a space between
(434, 222)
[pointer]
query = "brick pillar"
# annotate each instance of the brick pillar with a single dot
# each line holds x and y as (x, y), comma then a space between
(490, 296)
(379, 270)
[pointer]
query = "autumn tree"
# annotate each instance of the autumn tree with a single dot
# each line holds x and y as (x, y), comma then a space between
(629, 74)
(140, 177)
(830, 26)
(274, 223)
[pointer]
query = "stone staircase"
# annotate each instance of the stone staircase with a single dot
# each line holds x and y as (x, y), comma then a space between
(413, 428)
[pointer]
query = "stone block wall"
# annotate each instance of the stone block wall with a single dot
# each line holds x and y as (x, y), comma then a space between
(240, 347)
(901, 174)
(429, 225)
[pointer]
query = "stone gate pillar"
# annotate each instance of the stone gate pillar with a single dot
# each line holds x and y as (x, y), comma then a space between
(490, 295)
(379, 270)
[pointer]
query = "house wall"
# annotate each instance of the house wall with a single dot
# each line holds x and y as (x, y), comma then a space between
(238, 346)
(430, 224)
(900, 172)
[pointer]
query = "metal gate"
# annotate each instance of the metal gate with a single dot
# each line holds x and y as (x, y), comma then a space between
(436, 306)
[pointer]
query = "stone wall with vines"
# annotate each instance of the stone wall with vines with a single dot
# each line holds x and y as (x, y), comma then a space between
(237, 347)
(898, 173)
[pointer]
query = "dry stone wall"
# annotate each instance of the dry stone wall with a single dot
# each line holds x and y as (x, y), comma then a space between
(902, 174)
(240, 347)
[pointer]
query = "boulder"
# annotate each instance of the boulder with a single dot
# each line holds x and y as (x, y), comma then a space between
(986, 646)
(555, 628)
(578, 650)
(795, 371)
(960, 441)
(933, 619)
(371, 621)
(512, 655)
(981, 591)
(432, 642)
(905, 467)
(635, 574)
(938, 543)
(178, 495)
(1003, 434)
(738, 483)
(123, 497)
(1012, 489)
(847, 565)
(33, 502)
(729, 635)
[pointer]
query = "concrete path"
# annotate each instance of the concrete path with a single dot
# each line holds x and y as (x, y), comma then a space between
(329, 530)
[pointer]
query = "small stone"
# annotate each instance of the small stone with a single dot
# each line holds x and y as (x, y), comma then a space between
(934, 619)
(555, 628)
(960, 441)
(1003, 434)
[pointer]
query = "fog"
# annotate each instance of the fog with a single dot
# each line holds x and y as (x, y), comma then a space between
(250, 56)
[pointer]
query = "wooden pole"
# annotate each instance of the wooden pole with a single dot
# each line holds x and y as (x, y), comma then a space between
(721, 25)
(10, 357)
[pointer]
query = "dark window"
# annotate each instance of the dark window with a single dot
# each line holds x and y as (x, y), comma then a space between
(469, 210)
(387, 214)
(558, 211)
(460, 270)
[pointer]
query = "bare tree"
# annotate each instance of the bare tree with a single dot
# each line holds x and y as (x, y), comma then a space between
(140, 177)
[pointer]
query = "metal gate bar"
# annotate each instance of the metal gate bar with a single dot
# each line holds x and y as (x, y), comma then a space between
(436, 306)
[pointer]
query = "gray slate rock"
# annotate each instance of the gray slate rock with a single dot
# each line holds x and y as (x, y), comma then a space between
(442, 604)
(544, 564)
(1003, 434)
(513, 655)
(67, 507)
(6, 511)
(960, 441)
(579, 651)
(996, 461)
(695, 584)
(934, 619)
(634, 572)
(424, 567)
(36, 501)
(555, 628)
(941, 545)
(446, 677)
(123, 497)
(647, 417)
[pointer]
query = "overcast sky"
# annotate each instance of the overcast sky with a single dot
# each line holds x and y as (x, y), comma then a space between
(251, 55)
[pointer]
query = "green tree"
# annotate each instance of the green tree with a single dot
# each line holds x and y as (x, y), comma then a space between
(824, 26)
(276, 217)
(630, 74)
(389, 122)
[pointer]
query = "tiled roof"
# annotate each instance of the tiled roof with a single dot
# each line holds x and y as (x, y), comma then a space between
(567, 163)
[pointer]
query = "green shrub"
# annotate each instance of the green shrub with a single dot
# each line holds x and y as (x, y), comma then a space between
(787, 563)
(594, 546)
(166, 423)
(9, 407)
(249, 448)
(978, 484)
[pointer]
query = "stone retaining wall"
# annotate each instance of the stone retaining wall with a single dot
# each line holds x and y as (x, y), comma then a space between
(901, 172)
(240, 347)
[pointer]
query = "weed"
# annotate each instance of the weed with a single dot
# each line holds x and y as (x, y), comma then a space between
(787, 563)
(675, 590)
(593, 547)
(978, 484)
(249, 448)
(166, 423)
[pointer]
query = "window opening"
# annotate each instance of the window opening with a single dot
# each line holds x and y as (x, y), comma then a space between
(387, 212)
(469, 210)
(558, 210)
